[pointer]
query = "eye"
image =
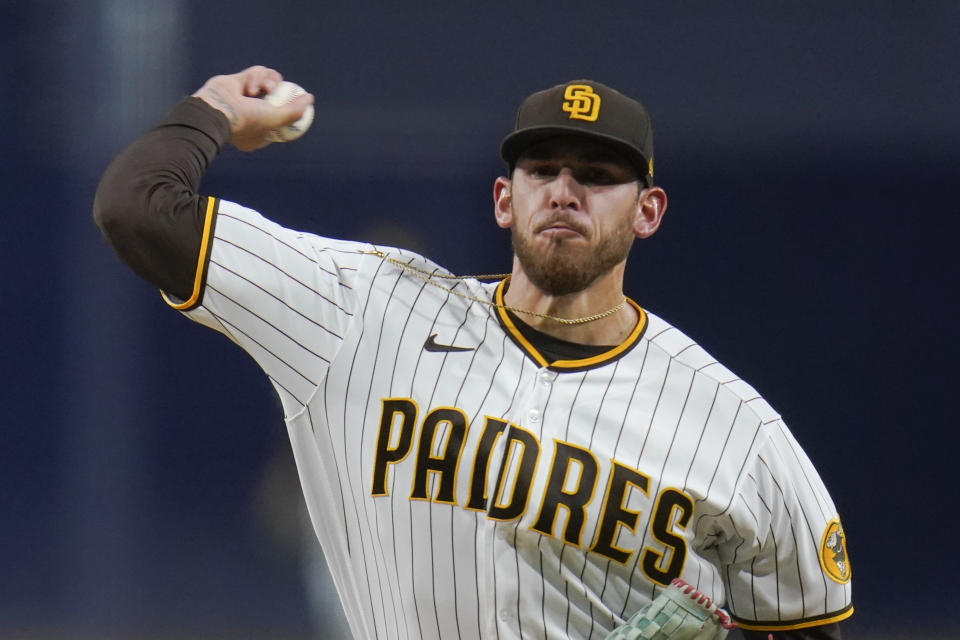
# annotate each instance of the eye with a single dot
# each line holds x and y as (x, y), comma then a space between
(542, 170)
(596, 175)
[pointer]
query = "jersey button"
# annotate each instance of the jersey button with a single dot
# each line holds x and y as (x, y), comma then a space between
(547, 377)
(505, 615)
(534, 415)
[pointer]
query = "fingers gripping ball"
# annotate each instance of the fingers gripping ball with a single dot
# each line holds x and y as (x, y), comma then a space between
(284, 93)
(679, 613)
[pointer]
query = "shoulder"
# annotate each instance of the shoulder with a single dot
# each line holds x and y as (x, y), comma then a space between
(386, 271)
(684, 352)
(263, 238)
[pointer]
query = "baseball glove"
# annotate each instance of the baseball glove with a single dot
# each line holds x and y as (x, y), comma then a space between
(679, 613)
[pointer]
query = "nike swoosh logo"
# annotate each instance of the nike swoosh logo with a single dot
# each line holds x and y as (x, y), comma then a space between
(431, 345)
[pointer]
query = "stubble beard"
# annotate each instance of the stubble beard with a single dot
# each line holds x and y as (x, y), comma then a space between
(560, 271)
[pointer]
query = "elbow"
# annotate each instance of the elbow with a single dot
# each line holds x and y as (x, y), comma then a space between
(109, 206)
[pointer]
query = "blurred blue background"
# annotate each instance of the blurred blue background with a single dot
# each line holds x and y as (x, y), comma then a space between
(810, 154)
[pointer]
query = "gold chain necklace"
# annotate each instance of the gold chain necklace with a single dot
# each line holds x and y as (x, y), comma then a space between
(428, 277)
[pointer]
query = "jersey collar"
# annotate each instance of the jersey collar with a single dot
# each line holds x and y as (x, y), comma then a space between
(598, 360)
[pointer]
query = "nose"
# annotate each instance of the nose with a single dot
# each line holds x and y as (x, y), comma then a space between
(565, 191)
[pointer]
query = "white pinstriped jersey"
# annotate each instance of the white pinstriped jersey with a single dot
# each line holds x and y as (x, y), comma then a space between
(483, 492)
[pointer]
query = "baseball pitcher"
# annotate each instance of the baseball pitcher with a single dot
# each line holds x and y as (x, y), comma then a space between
(532, 456)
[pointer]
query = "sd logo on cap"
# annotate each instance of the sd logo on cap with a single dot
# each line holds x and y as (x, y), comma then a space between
(584, 108)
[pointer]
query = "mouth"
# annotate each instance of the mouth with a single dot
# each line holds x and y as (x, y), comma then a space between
(557, 229)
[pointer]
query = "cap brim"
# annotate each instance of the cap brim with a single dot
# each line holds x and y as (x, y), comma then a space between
(517, 142)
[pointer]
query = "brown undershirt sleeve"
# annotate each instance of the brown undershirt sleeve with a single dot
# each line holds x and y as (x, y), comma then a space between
(147, 206)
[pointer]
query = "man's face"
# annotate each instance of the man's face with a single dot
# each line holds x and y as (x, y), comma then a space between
(573, 204)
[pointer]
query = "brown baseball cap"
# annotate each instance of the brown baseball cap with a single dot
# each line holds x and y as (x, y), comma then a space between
(584, 108)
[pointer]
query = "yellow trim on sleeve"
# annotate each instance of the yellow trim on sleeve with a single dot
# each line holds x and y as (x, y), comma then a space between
(201, 261)
(789, 626)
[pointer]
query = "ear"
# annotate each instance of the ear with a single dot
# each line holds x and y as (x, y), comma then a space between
(651, 205)
(502, 202)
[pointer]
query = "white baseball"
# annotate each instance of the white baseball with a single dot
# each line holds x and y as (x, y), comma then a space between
(283, 93)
